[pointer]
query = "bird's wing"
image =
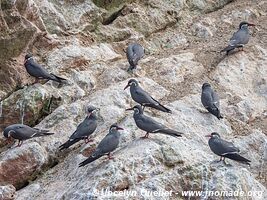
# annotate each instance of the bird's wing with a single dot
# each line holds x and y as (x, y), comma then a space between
(138, 52)
(239, 38)
(85, 128)
(206, 98)
(25, 132)
(150, 124)
(144, 97)
(108, 144)
(216, 99)
(43, 130)
(226, 147)
(38, 71)
(130, 54)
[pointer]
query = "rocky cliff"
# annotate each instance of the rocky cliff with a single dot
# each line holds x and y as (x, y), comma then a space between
(84, 41)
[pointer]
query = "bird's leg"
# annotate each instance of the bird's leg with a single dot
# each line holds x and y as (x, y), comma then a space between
(20, 143)
(110, 156)
(86, 140)
(36, 80)
(90, 140)
(143, 108)
(146, 136)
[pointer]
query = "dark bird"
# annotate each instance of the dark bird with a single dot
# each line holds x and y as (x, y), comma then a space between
(84, 129)
(37, 71)
(142, 97)
(109, 143)
(149, 125)
(210, 100)
(23, 132)
(134, 53)
(240, 38)
(225, 149)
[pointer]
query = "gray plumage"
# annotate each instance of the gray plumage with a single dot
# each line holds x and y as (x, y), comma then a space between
(23, 132)
(210, 100)
(149, 125)
(134, 53)
(37, 71)
(109, 143)
(142, 97)
(84, 129)
(225, 149)
(240, 38)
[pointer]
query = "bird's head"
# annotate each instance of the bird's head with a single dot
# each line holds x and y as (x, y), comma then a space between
(115, 127)
(27, 56)
(91, 109)
(131, 82)
(7, 134)
(205, 85)
(137, 109)
(214, 135)
(245, 25)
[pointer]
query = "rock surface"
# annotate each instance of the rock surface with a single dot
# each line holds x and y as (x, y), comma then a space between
(84, 41)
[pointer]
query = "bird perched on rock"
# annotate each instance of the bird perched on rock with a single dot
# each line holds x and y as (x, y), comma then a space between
(225, 149)
(109, 143)
(240, 38)
(149, 125)
(23, 132)
(37, 71)
(210, 100)
(84, 129)
(134, 53)
(142, 97)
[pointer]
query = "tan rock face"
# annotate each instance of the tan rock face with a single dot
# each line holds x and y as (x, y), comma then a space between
(83, 41)
(18, 165)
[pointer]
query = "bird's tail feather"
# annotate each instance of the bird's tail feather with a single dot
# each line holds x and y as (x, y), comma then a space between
(68, 143)
(90, 159)
(228, 48)
(171, 132)
(57, 78)
(237, 157)
(161, 108)
(131, 68)
(39, 134)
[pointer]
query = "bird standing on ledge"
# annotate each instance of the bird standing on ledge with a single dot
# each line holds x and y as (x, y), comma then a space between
(210, 100)
(240, 38)
(23, 132)
(142, 97)
(149, 125)
(37, 71)
(84, 129)
(134, 53)
(225, 149)
(109, 143)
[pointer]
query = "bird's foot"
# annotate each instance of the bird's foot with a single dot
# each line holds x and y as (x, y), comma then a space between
(19, 144)
(145, 137)
(86, 140)
(110, 157)
(203, 111)
(36, 80)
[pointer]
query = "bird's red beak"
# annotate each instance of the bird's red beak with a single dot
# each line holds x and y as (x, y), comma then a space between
(126, 87)
(208, 136)
(119, 128)
(251, 24)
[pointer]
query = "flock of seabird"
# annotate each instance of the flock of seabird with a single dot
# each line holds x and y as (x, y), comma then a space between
(110, 142)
